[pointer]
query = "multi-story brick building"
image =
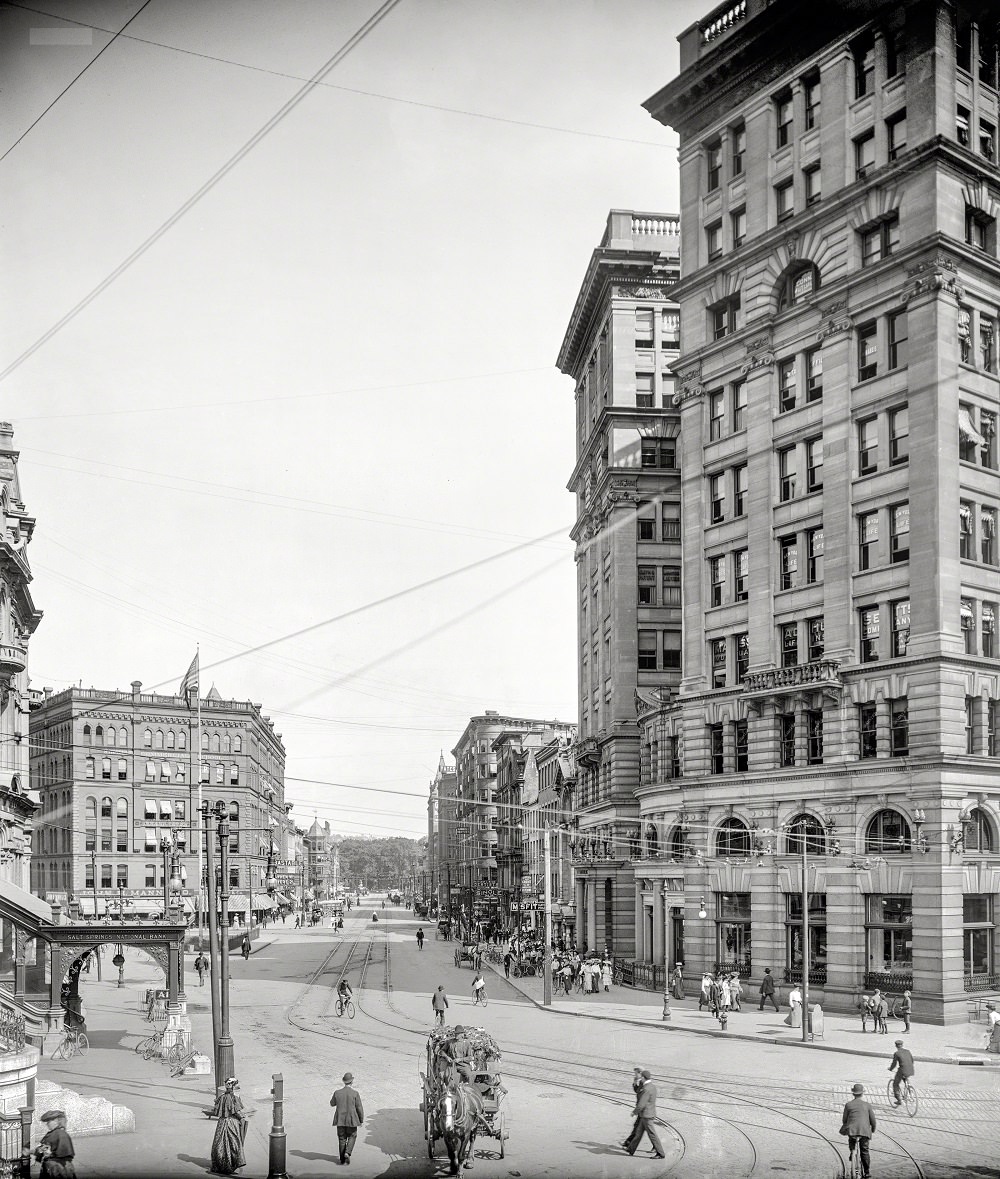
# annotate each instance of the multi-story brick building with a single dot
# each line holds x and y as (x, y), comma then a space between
(622, 338)
(117, 775)
(839, 394)
(441, 835)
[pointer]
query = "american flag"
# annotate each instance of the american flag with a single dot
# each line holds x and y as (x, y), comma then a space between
(189, 683)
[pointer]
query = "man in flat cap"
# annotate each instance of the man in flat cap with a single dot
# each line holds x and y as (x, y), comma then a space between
(55, 1151)
(350, 1114)
(859, 1125)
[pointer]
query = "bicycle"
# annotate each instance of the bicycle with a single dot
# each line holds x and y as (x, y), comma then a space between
(345, 1005)
(909, 1095)
(854, 1162)
(73, 1043)
(480, 996)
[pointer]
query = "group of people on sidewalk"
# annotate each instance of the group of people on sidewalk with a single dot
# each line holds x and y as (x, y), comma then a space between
(720, 993)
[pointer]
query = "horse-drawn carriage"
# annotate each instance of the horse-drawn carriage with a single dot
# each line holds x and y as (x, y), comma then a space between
(471, 953)
(463, 1094)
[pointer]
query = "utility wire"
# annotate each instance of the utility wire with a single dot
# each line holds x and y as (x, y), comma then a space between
(451, 110)
(205, 189)
(114, 38)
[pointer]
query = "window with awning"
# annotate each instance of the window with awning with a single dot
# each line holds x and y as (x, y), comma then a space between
(968, 615)
(967, 427)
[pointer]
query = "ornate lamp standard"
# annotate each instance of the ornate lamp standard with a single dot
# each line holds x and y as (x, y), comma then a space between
(225, 1065)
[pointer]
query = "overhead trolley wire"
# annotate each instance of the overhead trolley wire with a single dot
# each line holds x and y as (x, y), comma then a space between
(114, 38)
(262, 132)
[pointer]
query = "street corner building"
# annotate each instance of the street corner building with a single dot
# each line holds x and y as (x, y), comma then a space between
(837, 389)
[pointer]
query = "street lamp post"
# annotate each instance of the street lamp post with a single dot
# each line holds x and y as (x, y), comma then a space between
(547, 949)
(213, 941)
(226, 1062)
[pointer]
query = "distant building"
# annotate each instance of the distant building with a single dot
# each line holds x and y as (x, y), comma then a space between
(622, 339)
(441, 837)
(117, 776)
(839, 394)
(320, 846)
(475, 878)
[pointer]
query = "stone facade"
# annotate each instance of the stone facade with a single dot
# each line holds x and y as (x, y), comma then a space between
(838, 714)
(619, 349)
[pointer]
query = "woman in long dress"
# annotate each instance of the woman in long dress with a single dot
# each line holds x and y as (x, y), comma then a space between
(230, 1132)
(606, 974)
(677, 982)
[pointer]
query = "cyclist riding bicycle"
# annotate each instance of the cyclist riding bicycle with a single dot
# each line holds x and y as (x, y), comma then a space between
(478, 987)
(344, 991)
(420, 939)
(902, 1062)
(858, 1124)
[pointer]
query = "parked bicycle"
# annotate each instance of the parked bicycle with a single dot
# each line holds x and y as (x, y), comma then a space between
(74, 1042)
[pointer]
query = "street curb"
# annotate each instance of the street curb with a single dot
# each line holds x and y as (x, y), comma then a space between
(721, 1035)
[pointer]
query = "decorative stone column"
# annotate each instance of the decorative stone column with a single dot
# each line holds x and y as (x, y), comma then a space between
(591, 912)
(659, 923)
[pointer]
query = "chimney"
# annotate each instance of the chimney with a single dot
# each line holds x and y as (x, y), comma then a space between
(46, 692)
(136, 688)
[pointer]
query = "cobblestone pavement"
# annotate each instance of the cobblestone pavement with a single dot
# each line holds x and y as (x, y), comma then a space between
(729, 1107)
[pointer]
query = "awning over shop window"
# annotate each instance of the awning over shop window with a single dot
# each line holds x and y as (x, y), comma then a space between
(967, 428)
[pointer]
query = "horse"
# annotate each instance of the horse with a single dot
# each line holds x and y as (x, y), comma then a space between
(459, 1109)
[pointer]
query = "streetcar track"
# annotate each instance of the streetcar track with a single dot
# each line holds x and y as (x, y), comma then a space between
(705, 1084)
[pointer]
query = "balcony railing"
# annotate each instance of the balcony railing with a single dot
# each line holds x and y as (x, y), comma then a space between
(722, 20)
(817, 975)
(983, 982)
(13, 659)
(820, 673)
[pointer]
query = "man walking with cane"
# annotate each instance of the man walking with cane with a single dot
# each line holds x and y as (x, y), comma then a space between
(644, 1114)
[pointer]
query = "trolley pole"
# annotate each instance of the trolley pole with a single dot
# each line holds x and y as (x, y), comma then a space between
(547, 950)
(214, 978)
(226, 1064)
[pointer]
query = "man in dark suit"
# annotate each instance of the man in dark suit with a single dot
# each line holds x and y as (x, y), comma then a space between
(350, 1114)
(644, 1114)
(902, 1062)
(859, 1125)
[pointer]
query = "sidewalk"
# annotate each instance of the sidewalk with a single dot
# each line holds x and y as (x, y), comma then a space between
(959, 1044)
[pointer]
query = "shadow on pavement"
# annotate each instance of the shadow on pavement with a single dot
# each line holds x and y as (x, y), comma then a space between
(205, 1164)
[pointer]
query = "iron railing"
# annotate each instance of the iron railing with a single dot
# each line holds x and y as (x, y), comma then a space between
(983, 982)
(11, 1031)
(649, 975)
(885, 980)
(741, 968)
(15, 1144)
(817, 975)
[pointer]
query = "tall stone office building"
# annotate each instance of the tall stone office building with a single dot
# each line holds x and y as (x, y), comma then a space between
(622, 338)
(839, 398)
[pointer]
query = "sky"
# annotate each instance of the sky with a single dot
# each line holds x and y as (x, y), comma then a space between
(286, 405)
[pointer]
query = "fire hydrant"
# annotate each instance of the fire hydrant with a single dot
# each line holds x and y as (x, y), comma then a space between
(724, 1019)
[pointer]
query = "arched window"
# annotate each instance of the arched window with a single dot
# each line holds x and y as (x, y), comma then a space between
(90, 811)
(106, 807)
(216, 743)
(733, 838)
(147, 738)
(237, 744)
(204, 742)
(220, 774)
(887, 831)
(234, 812)
(171, 739)
(99, 735)
(106, 768)
(227, 744)
(121, 808)
(112, 738)
(678, 845)
(122, 769)
(234, 774)
(979, 831)
(652, 840)
(158, 739)
(182, 741)
(813, 831)
(89, 768)
(122, 738)
(799, 281)
(87, 738)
